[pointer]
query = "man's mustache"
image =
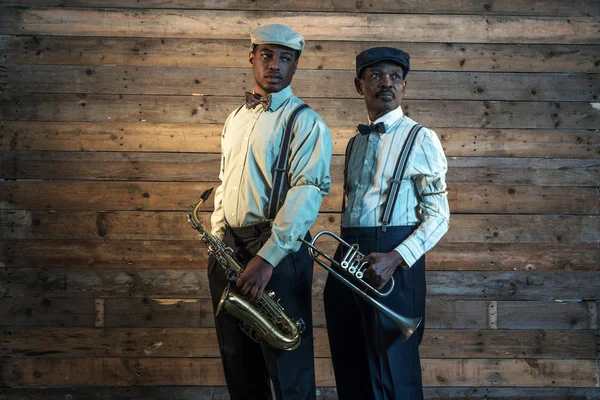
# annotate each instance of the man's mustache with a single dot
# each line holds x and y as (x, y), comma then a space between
(273, 75)
(383, 92)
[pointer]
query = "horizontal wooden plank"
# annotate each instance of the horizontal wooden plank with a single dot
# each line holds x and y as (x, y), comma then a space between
(336, 112)
(210, 24)
(542, 7)
(220, 393)
(327, 55)
(55, 312)
(198, 313)
(207, 371)
(197, 167)
(39, 225)
(531, 315)
(193, 283)
(136, 254)
(185, 138)
(307, 83)
(202, 342)
(138, 196)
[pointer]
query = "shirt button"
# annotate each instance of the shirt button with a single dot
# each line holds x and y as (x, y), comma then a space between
(232, 214)
(235, 188)
(246, 138)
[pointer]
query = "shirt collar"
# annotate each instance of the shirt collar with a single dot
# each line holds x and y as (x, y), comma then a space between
(277, 99)
(390, 118)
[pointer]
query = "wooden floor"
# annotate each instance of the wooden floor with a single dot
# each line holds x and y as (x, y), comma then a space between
(110, 122)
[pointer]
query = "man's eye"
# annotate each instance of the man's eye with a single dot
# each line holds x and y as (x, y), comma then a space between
(286, 59)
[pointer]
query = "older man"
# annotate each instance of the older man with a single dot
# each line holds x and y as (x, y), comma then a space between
(272, 187)
(397, 210)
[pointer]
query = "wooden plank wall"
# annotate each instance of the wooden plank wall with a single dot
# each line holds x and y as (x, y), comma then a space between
(111, 114)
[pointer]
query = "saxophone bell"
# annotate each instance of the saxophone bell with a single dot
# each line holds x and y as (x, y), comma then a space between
(265, 320)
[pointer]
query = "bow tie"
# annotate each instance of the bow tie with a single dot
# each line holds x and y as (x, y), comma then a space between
(252, 100)
(366, 129)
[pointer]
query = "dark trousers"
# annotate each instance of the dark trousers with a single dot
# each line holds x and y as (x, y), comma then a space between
(249, 365)
(369, 359)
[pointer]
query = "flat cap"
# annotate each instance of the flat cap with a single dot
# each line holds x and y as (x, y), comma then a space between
(277, 34)
(376, 54)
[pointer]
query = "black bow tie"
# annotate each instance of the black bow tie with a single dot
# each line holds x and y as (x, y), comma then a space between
(252, 100)
(366, 129)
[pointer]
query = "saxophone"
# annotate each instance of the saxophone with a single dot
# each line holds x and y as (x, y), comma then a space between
(265, 320)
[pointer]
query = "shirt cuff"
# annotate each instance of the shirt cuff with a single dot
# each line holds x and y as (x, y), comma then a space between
(410, 253)
(219, 234)
(272, 253)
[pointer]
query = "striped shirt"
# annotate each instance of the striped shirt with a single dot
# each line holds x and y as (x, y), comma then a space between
(250, 146)
(422, 198)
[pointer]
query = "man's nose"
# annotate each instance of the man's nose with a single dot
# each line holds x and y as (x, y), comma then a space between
(274, 63)
(386, 81)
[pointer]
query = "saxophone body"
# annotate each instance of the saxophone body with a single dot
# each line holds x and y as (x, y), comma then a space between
(265, 320)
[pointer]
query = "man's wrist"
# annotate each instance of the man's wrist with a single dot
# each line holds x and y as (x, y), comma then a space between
(402, 264)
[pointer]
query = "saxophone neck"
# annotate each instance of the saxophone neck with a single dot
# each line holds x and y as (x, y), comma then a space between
(192, 213)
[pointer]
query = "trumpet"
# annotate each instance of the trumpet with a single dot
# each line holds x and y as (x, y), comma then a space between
(351, 273)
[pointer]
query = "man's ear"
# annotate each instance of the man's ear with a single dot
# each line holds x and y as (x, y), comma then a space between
(358, 85)
(251, 58)
(404, 86)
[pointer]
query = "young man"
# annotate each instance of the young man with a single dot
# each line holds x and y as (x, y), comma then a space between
(395, 215)
(261, 219)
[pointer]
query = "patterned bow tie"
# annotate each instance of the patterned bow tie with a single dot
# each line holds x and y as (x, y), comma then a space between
(252, 100)
(366, 129)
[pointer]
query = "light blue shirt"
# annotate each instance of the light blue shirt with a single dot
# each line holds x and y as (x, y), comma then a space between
(422, 199)
(250, 145)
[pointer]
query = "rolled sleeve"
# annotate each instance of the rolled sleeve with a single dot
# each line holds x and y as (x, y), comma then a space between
(430, 182)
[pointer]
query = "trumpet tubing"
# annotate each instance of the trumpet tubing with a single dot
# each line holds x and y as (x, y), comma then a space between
(353, 264)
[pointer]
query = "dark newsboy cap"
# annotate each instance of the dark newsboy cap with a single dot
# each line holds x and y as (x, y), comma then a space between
(376, 54)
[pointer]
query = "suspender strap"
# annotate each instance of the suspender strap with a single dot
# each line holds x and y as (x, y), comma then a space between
(397, 178)
(281, 164)
(346, 161)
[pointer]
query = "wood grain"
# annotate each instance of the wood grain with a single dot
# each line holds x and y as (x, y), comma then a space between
(192, 283)
(186, 138)
(181, 167)
(198, 313)
(317, 54)
(202, 342)
(207, 371)
(335, 112)
(138, 196)
(40, 225)
(543, 7)
(306, 83)
(220, 393)
(74, 253)
(209, 24)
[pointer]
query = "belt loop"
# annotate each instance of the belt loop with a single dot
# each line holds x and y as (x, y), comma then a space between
(384, 228)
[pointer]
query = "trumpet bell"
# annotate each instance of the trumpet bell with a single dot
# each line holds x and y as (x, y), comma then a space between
(353, 278)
